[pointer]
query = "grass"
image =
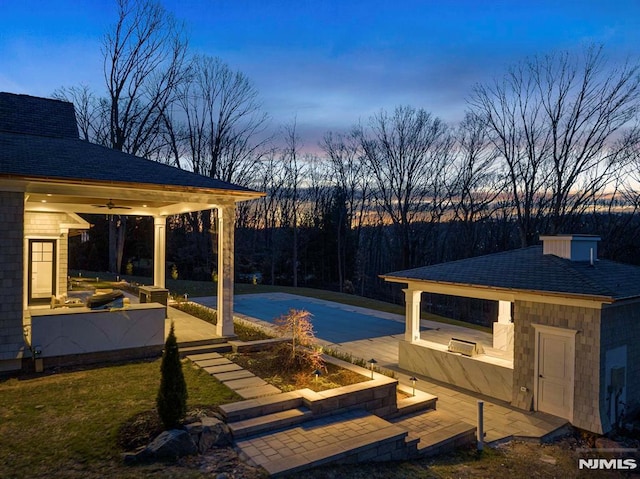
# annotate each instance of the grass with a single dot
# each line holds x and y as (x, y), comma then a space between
(196, 289)
(512, 460)
(66, 424)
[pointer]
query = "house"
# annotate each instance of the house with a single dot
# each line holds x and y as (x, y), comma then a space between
(47, 176)
(568, 329)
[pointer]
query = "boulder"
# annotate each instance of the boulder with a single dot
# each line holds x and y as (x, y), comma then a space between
(209, 432)
(170, 444)
(215, 432)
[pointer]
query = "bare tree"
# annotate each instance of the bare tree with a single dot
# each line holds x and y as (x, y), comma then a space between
(476, 185)
(92, 124)
(407, 154)
(555, 121)
(349, 174)
(294, 171)
(222, 120)
(516, 126)
(143, 58)
(271, 174)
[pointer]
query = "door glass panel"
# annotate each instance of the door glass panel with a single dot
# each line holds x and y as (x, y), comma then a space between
(42, 270)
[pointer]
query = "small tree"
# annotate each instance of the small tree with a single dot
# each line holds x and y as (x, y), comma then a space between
(302, 353)
(172, 395)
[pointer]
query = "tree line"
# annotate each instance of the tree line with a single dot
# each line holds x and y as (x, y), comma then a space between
(551, 146)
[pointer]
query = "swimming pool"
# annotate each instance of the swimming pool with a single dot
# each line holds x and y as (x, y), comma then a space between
(333, 322)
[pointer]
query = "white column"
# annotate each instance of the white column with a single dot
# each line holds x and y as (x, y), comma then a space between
(226, 228)
(412, 315)
(504, 312)
(159, 249)
(503, 328)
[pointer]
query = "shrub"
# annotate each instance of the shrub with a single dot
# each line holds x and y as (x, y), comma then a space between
(174, 272)
(172, 395)
(303, 352)
(202, 312)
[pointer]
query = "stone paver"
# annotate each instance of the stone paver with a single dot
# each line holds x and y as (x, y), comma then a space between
(316, 440)
(231, 375)
(205, 356)
(203, 363)
(250, 382)
(223, 368)
(258, 391)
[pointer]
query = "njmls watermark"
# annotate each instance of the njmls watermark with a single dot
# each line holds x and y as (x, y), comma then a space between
(612, 459)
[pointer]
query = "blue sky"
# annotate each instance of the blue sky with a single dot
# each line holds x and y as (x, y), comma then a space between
(327, 63)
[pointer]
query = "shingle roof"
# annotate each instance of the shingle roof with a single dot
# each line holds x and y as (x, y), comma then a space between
(528, 269)
(39, 138)
(37, 116)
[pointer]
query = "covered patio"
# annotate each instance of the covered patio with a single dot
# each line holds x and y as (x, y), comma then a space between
(48, 176)
(567, 330)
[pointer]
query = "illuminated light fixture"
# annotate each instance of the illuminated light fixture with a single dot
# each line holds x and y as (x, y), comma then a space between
(144, 206)
(43, 201)
(372, 362)
(49, 194)
(413, 380)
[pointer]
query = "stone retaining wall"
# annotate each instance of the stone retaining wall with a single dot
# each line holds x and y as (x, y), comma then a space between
(377, 396)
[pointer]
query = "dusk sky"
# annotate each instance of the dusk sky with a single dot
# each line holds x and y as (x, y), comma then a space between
(327, 63)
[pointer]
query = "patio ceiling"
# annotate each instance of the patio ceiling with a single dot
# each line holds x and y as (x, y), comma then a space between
(128, 199)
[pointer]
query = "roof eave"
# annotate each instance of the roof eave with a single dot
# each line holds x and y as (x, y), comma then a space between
(240, 194)
(498, 289)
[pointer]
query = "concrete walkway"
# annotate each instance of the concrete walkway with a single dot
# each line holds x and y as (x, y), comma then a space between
(501, 420)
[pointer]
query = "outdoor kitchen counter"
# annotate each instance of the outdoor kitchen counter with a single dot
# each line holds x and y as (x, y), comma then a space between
(64, 311)
(65, 331)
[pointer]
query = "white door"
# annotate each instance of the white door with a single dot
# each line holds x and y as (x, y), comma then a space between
(42, 268)
(555, 370)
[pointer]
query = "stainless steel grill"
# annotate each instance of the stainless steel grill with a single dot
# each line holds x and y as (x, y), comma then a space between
(466, 348)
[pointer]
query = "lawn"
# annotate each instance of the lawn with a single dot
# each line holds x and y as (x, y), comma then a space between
(65, 425)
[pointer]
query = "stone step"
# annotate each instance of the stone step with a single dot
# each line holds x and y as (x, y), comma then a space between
(222, 368)
(195, 357)
(250, 408)
(217, 347)
(438, 432)
(416, 402)
(269, 422)
(201, 342)
(354, 436)
(447, 440)
(205, 363)
(258, 391)
(231, 375)
(238, 384)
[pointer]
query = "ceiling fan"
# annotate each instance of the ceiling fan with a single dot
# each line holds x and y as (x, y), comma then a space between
(112, 206)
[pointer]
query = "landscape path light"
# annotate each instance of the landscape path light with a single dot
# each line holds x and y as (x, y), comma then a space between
(317, 373)
(372, 362)
(413, 380)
